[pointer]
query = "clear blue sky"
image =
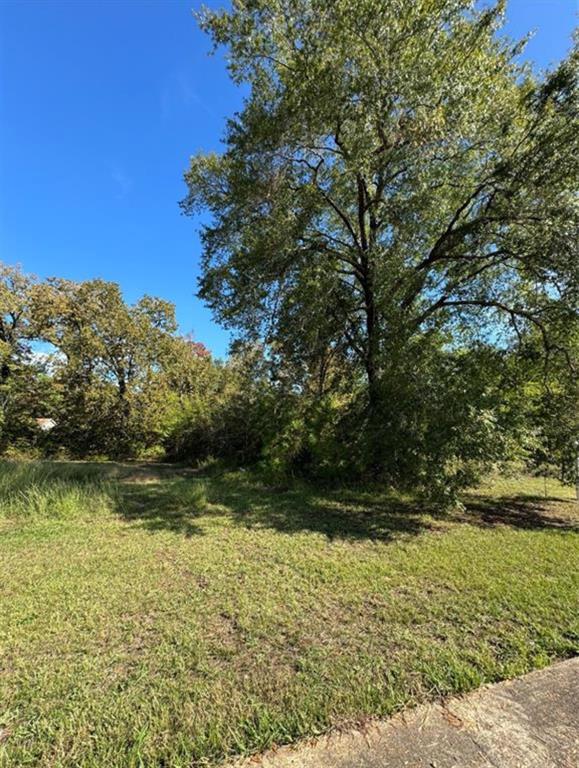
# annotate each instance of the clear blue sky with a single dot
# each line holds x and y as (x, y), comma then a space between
(101, 105)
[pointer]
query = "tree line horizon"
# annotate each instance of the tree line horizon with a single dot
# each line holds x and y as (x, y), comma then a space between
(393, 239)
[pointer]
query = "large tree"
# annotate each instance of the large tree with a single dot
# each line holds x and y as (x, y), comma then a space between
(395, 176)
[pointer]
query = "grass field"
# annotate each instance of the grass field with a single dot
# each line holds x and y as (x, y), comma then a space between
(151, 618)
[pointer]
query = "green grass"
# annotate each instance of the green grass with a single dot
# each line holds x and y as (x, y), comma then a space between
(156, 618)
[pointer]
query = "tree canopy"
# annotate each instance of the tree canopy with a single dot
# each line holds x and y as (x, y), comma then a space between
(395, 183)
(393, 235)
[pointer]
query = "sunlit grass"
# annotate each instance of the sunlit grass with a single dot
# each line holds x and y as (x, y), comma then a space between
(149, 619)
(538, 486)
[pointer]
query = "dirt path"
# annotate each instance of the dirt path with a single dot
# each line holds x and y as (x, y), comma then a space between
(530, 722)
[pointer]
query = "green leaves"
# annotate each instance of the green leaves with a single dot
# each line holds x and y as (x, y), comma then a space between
(394, 175)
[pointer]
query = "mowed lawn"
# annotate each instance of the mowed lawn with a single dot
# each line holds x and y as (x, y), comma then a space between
(156, 618)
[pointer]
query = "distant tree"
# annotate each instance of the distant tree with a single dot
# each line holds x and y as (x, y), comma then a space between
(395, 186)
(187, 367)
(551, 405)
(24, 387)
(215, 409)
(111, 356)
(18, 326)
(115, 377)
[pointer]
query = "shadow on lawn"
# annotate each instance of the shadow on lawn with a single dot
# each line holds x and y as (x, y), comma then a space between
(178, 505)
(164, 506)
(162, 497)
(527, 512)
(335, 514)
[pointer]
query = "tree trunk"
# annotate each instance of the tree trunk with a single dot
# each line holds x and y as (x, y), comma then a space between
(371, 363)
(4, 372)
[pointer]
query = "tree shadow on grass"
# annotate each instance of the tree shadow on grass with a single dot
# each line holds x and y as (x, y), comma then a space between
(346, 515)
(526, 512)
(164, 505)
(178, 505)
(163, 497)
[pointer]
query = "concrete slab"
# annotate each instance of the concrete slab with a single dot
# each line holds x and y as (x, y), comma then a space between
(530, 722)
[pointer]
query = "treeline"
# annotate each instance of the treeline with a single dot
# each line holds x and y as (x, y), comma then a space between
(114, 380)
(118, 381)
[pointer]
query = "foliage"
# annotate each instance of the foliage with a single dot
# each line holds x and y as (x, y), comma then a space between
(110, 354)
(396, 192)
(26, 391)
(552, 409)
(118, 380)
(222, 412)
(394, 239)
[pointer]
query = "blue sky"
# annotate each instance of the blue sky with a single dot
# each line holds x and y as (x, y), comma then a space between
(101, 105)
